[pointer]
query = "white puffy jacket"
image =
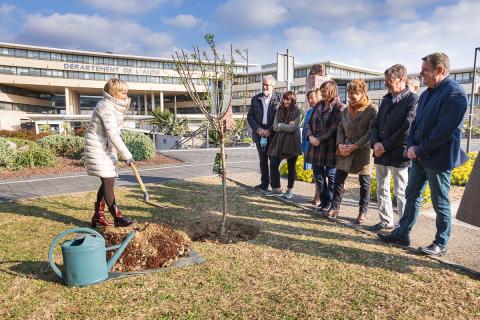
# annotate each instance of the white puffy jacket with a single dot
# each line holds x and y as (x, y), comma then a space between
(103, 137)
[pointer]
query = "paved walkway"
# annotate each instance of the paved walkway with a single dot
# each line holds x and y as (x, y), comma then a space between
(464, 247)
(196, 163)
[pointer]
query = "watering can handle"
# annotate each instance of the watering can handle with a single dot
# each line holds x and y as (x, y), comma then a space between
(58, 238)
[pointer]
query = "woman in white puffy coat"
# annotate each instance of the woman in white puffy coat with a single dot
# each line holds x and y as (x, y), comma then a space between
(102, 142)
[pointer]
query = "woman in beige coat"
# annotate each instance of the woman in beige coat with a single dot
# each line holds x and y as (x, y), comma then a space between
(102, 142)
(353, 147)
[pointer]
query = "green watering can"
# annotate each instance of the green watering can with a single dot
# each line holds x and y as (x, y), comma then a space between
(84, 258)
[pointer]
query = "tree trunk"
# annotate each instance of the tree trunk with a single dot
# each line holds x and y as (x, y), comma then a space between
(224, 179)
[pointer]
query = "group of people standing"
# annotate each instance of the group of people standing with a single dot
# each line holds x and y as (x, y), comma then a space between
(412, 139)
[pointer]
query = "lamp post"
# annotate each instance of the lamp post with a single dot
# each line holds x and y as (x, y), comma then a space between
(472, 100)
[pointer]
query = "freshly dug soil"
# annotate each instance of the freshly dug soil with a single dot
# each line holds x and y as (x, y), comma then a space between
(210, 231)
(69, 166)
(153, 246)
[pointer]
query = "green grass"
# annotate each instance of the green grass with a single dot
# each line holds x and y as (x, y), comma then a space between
(298, 267)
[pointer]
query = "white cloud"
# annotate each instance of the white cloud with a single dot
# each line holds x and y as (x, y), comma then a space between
(326, 11)
(303, 40)
(94, 32)
(450, 29)
(405, 9)
(253, 13)
(125, 7)
(10, 16)
(184, 20)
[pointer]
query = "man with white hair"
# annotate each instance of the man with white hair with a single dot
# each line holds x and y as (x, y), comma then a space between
(261, 115)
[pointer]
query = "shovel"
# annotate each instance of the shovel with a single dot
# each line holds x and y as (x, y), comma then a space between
(146, 198)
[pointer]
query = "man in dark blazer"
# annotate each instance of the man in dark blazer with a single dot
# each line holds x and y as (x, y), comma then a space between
(389, 142)
(261, 115)
(434, 147)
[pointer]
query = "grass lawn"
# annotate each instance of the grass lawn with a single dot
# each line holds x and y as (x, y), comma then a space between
(298, 267)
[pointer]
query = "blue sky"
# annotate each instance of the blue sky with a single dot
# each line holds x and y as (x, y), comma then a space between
(373, 34)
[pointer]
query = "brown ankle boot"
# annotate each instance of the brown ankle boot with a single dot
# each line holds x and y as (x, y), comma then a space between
(118, 219)
(99, 215)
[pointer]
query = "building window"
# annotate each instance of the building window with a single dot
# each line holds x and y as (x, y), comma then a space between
(301, 73)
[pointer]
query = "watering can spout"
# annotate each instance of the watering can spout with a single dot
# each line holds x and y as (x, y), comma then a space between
(120, 249)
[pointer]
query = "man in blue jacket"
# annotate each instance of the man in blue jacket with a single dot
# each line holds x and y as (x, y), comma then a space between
(260, 117)
(434, 147)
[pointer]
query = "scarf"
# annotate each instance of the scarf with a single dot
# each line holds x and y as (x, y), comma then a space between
(355, 108)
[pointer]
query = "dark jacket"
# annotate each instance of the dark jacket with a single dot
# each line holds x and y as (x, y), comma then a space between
(286, 142)
(392, 126)
(255, 114)
(436, 130)
(323, 125)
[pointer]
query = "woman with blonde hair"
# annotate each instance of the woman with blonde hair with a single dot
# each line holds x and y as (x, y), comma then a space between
(285, 143)
(353, 147)
(102, 142)
(322, 135)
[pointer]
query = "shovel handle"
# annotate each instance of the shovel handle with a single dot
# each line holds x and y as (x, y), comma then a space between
(140, 182)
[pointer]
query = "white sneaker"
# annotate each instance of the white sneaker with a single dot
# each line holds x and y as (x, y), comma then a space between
(288, 195)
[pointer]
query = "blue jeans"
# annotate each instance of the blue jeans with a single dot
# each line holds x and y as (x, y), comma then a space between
(324, 178)
(439, 182)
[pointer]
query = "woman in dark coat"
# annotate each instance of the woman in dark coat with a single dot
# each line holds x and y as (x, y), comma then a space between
(285, 143)
(322, 135)
(353, 147)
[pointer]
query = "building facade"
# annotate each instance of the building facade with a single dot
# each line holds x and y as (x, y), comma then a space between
(58, 88)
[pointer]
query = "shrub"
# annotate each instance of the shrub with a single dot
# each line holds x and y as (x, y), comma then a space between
(22, 142)
(301, 174)
(140, 145)
(373, 190)
(23, 134)
(461, 174)
(7, 153)
(63, 145)
(81, 132)
(34, 156)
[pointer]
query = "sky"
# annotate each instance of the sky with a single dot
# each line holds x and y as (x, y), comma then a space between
(374, 34)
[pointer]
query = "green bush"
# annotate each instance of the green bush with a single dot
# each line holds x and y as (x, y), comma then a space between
(63, 145)
(34, 156)
(22, 142)
(461, 174)
(301, 174)
(7, 153)
(140, 145)
(373, 190)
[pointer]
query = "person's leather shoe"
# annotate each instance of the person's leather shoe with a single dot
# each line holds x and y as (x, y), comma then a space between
(434, 250)
(393, 238)
(261, 187)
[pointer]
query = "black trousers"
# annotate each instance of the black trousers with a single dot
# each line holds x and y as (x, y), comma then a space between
(275, 172)
(340, 177)
(264, 171)
(106, 191)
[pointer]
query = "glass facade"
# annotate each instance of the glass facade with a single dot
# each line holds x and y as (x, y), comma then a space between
(37, 72)
(86, 59)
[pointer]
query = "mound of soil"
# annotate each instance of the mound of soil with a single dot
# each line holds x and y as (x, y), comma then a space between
(210, 231)
(153, 246)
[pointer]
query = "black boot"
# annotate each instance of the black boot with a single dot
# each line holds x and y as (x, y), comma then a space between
(118, 219)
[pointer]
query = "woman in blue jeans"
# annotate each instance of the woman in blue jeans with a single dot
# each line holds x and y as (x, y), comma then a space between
(321, 134)
(313, 98)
